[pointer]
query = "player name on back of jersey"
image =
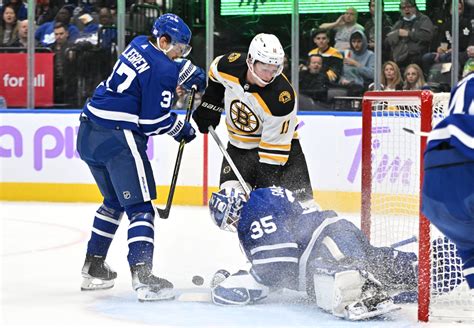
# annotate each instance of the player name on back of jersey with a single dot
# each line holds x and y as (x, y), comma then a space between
(136, 59)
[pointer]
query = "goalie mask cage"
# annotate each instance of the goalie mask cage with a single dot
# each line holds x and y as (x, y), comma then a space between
(392, 175)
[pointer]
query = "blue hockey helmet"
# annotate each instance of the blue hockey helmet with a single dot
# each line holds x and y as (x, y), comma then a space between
(175, 28)
(225, 207)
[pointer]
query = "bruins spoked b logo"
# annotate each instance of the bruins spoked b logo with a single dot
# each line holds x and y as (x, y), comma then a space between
(243, 117)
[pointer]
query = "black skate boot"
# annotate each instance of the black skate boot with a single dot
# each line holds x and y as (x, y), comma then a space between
(97, 274)
(148, 286)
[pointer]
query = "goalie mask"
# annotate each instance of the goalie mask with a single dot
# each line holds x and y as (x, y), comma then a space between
(266, 49)
(225, 207)
(176, 30)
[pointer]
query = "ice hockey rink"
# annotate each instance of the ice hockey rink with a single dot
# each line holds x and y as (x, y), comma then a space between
(43, 247)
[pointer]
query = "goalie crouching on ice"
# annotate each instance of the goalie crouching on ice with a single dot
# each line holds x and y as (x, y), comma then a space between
(306, 250)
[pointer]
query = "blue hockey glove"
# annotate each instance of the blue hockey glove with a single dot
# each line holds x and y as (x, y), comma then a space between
(183, 131)
(190, 74)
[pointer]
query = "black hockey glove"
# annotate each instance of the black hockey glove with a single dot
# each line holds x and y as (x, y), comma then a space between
(268, 175)
(208, 113)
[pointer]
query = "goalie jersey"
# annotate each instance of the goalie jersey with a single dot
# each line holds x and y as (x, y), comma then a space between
(286, 244)
(263, 118)
(139, 92)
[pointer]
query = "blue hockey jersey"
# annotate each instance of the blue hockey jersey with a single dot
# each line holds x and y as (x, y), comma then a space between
(138, 93)
(287, 245)
(278, 236)
(457, 129)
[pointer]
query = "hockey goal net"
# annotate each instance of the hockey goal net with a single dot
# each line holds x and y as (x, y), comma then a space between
(392, 176)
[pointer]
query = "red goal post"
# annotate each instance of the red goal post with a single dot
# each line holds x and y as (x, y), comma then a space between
(392, 176)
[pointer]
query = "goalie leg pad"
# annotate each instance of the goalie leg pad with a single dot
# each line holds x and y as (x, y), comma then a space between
(351, 294)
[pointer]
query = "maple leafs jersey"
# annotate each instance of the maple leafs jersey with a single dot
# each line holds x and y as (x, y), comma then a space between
(263, 118)
(458, 127)
(139, 92)
(286, 244)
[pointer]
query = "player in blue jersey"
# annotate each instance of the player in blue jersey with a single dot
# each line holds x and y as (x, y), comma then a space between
(131, 105)
(306, 250)
(448, 188)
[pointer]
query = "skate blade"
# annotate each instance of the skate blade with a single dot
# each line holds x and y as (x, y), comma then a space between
(89, 283)
(144, 294)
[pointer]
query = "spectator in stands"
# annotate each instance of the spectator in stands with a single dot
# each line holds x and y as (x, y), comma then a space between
(313, 82)
(332, 63)
(359, 62)
(45, 11)
(45, 33)
(410, 36)
(22, 35)
(8, 27)
(369, 29)
(107, 30)
(344, 26)
(89, 31)
(62, 85)
(18, 7)
(413, 78)
(443, 52)
(391, 79)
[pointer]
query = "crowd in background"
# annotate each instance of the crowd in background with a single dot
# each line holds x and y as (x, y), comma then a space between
(416, 51)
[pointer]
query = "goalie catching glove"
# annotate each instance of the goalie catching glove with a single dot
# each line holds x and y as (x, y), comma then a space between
(241, 288)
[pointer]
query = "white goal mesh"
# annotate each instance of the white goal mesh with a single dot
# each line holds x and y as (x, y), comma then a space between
(391, 185)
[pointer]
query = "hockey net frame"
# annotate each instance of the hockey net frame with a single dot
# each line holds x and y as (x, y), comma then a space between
(384, 116)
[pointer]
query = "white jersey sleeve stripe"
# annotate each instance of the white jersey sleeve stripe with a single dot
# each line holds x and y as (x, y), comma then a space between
(275, 260)
(452, 130)
(139, 165)
(273, 247)
(113, 115)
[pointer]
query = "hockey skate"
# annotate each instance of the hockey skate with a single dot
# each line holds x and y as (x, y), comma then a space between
(97, 274)
(374, 302)
(148, 286)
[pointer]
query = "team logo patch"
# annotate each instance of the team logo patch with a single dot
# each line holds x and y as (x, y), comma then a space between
(243, 118)
(127, 195)
(284, 97)
(233, 57)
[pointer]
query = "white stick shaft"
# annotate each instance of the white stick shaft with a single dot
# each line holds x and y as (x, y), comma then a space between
(229, 160)
(417, 133)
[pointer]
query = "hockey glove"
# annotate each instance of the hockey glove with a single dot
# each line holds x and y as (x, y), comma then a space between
(190, 75)
(183, 131)
(207, 114)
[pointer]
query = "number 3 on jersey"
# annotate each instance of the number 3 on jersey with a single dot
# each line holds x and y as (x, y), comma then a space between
(262, 226)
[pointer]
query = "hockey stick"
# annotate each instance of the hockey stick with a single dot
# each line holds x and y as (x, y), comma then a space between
(164, 213)
(417, 133)
(412, 239)
(229, 160)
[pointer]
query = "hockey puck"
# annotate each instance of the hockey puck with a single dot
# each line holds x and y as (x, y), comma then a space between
(198, 280)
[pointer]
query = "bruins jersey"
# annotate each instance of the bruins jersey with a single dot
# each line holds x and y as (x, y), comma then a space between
(263, 118)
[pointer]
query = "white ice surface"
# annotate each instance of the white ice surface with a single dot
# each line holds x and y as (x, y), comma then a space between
(42, 252)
